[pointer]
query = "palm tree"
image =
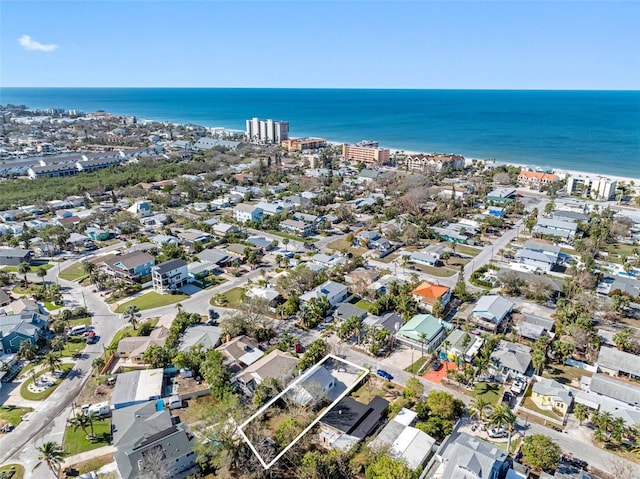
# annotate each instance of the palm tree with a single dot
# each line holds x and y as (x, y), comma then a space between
(27, 350)
(41, 272)
(80, 421)
(51, 454)
(132, 314)
(445, 344)
(52, 360)
(502, 415)
(88, 268)
(23, 269)
(538, 359)
(423, 339)
(58, 343)
(581, 412)
(477, 408)
(622, 339)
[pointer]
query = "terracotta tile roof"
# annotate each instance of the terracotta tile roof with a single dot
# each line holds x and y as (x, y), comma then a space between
(430, 292)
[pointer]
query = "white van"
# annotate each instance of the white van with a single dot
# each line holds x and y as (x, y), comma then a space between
(76, 330)
(175, 402)
(101, 409)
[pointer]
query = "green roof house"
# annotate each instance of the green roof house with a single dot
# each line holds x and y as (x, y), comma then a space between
(423, 332)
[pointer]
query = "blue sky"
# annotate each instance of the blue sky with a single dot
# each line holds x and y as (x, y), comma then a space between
(347, 44)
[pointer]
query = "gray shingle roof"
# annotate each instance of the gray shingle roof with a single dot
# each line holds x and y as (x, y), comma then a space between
(611, 358)
(615, 388)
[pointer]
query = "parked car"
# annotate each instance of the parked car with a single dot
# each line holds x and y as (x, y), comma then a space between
(435, 365)
(384, 374)
(299, 348)
(497, 433)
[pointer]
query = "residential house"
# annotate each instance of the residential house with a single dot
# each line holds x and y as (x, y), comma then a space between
(511, 359)
(27, 325)
(345, 311)
(502, 195)
(215, 256)
(565, 230)
(427, 294)
(490, 311)
(133, 348)
(241, 350)
(326, 261)
(273, 297)
(569, 216)
(244, 212)
(550, 394)
(130, 267)
(146, 434)
(200, 334)
(14, 256)
(405, 442)
(463, 345)
(613, 394)
(296, 227)
(349, 422)
(423, 332)
(170, 276)
(276, 364)
(5, 298)
(135, 387)
(318, 386)
(225, 229)
(392, 322)
(140, 208)
(618, 363)
(610, 283)
(164, 239)
(421, 161)
(424, 258)
(273, 208)
(532, 326)
(535, 179)
(334, 292)
(462, 455)
(539, 255)
(191, 237)
(451, 235)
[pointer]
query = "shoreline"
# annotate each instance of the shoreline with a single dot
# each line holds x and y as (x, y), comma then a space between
(562, 172)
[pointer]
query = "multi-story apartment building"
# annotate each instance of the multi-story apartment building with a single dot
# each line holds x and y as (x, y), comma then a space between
(595, 187)
(437, 161)
(267, 131)
(300, 144)
(366, 152)
(535, 179)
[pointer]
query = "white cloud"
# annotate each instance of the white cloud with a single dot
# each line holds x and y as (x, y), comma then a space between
(30, 44)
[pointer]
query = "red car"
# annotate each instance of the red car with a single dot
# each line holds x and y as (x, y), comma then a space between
(299, 348)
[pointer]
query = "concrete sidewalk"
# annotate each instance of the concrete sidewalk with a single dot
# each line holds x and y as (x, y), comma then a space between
(85, 456)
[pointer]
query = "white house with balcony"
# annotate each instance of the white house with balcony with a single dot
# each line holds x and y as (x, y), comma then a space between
(169, 276)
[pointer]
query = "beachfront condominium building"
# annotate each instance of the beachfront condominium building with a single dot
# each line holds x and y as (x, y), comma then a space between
(267, 131)
(536, 179)
(595, 187)
(366, 152)
(300, 144)
(422, 161)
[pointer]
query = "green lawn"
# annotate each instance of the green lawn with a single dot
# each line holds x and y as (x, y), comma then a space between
(488, 391)
(127, 332)
(76, 441)
(73, 272)
(152, 300)
(234, 296)
(34, 267)
(12, 414)
(291, 237)
(529, 404)
(438, 272)
(51, 306)
(17, 468)
(564, 374)
(94, 464)
(364, 304)
(26, 394)
(74, 345)
(78, 321)
(415, 367)
(464, 249)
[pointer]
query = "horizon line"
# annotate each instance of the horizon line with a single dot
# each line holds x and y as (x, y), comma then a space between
(313, 88)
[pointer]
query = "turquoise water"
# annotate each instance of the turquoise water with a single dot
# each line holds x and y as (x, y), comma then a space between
(596, 131)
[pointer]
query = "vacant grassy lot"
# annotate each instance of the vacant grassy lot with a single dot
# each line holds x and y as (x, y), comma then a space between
(94, 464)
(342, 243)
(75, 441)
(152, 300)
(51, 306)
(26, 394)
(74, 345)
(73, 272)
(233, 297)
(565, 374)
(34, 267)
(290, 236)
(438, 272)
(12, 414)
(488, 391)
(364, 304)
(197, 409)
(463, 249)
(18, 471)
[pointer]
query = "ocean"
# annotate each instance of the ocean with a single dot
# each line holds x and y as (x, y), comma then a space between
(594, 131)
